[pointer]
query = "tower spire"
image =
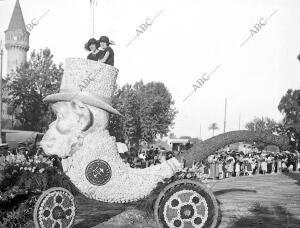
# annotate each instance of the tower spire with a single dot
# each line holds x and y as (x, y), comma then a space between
(16, 39)
(17, 19)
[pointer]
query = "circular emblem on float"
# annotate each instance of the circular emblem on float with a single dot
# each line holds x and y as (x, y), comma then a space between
(98, 172)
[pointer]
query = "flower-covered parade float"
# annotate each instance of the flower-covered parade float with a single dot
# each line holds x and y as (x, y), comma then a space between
(91, 160)
(92, 165)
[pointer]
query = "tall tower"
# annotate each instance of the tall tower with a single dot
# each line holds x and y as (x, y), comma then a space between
(16, 40)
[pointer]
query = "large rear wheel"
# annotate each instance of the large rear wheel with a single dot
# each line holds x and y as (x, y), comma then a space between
(186, 204)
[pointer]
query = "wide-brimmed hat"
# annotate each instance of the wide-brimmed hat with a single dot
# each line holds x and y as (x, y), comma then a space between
(89, 81)
(105, 39)
(91, 41)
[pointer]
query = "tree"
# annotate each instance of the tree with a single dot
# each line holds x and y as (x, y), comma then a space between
(262, 124)
(213, 127)
(289, 106)
(126, 127)
(172, 135)
(32, 82)
(147, 113)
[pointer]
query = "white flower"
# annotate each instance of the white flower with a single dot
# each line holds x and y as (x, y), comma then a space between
(41, 170)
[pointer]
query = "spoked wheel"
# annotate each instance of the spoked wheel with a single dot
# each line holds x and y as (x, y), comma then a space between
(186, 204)
(55, 208)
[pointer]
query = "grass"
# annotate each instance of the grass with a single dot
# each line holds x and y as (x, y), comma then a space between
(263, 201)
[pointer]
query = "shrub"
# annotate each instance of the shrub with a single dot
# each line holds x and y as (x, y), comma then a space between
(22, 180)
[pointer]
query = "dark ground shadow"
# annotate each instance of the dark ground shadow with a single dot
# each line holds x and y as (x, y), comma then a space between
(91, 212)
(95, 219)
(224, 191)
(267, 217)
(294, 176)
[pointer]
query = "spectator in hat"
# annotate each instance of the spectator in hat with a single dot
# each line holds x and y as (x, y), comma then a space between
(220, 169)
(264, 166)
(107, 55)
(249, 168)
(237, 168)
(291, 168)
(283, 166)
(93, 46)
(229, 168)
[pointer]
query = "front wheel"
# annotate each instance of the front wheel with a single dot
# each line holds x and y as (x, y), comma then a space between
(55, 208)
(186, 203)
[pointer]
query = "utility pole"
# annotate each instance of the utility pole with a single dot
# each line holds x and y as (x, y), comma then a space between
(1, 69)
(200, 131)
(239, 121)
(92, 15)
(225, 114)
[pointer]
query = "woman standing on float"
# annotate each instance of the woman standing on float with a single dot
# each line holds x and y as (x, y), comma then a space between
(107, 55)
(92, 45)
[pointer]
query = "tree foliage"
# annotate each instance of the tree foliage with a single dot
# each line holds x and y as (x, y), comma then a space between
(147, 113)
(172, 135)
(262, 124)
(289, 106)
(32, 82)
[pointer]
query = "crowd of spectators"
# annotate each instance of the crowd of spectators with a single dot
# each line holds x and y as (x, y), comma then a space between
(226, 162)
(146, 157)
(250, 161)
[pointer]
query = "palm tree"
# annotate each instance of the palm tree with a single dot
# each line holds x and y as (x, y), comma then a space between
(213, 127)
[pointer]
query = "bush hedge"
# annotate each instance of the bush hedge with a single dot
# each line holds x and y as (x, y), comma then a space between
(22, 179)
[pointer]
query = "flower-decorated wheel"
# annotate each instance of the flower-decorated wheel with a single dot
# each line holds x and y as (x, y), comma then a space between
(55, 208)
(186, 204)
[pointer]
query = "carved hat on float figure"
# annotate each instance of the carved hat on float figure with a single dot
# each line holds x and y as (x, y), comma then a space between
(89, 81)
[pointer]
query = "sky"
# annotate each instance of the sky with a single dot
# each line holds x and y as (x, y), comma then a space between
(251, 46)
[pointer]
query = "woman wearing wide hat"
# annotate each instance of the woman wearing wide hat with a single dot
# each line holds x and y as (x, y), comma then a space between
(107, 56)
(92, 45)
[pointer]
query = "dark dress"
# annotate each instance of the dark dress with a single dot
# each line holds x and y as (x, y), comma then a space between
(249, 167)
(110, 59)
(96, 56)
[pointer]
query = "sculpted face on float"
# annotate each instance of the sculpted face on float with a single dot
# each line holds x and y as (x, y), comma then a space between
(74, 119)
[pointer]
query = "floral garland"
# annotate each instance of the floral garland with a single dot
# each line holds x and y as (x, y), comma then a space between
(208, 147)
